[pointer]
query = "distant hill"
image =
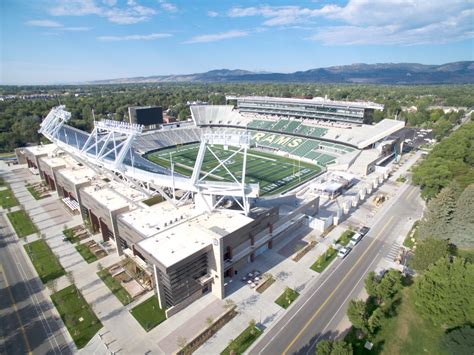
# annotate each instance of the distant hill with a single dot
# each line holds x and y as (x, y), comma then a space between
(383, 73)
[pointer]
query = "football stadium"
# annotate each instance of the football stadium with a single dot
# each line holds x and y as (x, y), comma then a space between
(192, 203)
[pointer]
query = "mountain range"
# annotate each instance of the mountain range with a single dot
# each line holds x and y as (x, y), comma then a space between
(383, 73)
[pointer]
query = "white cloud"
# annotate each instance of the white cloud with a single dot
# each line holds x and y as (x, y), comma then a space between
(149, 37)
(128, 14)
(44, 23)
(76, 29)
(217, 36)
(212, 14)
(374, 22)
(167, 6)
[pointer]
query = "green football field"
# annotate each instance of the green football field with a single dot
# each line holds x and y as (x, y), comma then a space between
(275, 174)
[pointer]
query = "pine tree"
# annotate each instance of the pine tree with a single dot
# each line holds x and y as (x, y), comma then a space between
(428, 252)
(444, 293)
(439, 214)
(462, 226)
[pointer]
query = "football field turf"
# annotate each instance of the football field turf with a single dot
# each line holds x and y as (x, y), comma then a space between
(274, 173)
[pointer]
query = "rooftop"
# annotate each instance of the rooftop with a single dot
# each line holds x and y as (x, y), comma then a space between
(41, 149)
(78, 174)
(315, 100)
(113, 195)
(185, 239)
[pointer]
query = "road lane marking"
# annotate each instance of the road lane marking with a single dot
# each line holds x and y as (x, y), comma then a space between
(336, 288)
(22, 328)
(345, 300)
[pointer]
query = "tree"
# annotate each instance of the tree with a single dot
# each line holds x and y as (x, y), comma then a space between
(462, 226)
(100, 267)
(340, 347)
(439, 214)
(428, 252)
(333, 347)
(324, 347)
(371, 284)
(444, 292)
(252, 325)
(358, 316)
(459, 341)
(375, 320)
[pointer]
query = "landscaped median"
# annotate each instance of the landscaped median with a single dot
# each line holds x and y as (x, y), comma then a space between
(287, 298)
(148, 313)
(77, 315)
(8, 199)
(115, 286)
(345, 237)
(22, 223)
(243, 341)
(324, 260)
(45, 262)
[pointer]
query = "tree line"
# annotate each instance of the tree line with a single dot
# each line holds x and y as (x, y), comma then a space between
(20, 118)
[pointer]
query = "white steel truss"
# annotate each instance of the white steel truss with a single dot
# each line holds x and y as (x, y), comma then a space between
(54, 121)
(111, 140)
(240, 192)
(108, 145)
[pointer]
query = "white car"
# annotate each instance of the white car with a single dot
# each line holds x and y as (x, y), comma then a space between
(343, 252)
(356, 238)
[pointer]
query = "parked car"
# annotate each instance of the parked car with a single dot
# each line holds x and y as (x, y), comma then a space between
(364, 230)
(356, 238)
(344, 252)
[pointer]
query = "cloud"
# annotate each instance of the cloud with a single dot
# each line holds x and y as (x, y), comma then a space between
(404, 22)
(217, 36)
(44, 23)
(212, 14)
(149, 37)
(167, 6)
(127, 14)
(76, 29)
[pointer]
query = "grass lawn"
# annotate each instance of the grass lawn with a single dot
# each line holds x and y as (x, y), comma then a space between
(8, 199)
(77, 315)
(274, 173)
(345, 237)
(44, 261)
(115, 286)
(413, 233)
(2, 181)
(34, 193)
(324, 260)
(244, 340)
(86, 253)
(148, 313)
(287, 298)
(407, 333)
(22, 223)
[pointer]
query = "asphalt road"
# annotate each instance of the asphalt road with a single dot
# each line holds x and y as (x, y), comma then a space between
(27, 324)
(318, 311)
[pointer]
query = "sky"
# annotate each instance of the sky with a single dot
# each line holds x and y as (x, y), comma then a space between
(72, 41)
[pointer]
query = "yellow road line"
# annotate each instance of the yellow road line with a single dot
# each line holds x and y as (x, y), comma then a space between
(337, 287)
(22, 329)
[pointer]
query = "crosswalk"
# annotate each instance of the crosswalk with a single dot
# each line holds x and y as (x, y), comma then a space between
(393, 253)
